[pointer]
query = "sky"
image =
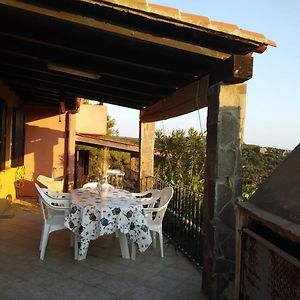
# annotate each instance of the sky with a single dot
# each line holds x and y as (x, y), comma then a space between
(273, 99)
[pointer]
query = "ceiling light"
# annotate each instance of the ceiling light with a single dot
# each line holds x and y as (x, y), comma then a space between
(74, 71)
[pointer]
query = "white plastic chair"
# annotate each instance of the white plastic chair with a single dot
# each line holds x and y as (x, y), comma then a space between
(51, 183)
(94, 185)
(90, 185)
(56, 195)
(54, 210)
(155, 217)
(148, 198)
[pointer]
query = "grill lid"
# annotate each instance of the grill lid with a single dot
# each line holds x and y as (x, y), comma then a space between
(279, 194)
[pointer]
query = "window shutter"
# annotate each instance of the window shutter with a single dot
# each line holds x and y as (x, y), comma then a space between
(3, 113)
(18, 136)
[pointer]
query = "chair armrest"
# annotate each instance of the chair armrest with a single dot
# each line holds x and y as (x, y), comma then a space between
(151, 210)
(138, 195)
(146, 201)
(59, 204)
(56, 195)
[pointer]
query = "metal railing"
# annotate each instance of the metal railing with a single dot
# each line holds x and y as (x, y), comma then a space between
(182, 222)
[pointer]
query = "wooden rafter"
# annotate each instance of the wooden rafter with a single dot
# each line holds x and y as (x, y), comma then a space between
(117, 30)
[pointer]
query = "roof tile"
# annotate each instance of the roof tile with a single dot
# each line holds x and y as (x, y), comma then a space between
(272, 43)
(135, 4)
(228, 26)
(173, 13)
(194, 19)
(253, 34)
(164, 10)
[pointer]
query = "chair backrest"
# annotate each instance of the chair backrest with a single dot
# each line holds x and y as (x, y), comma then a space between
(90, 185)
(50, 183)
(49, 205)
(94, 185)
(155, 195)
(149, 197)
(166, 195)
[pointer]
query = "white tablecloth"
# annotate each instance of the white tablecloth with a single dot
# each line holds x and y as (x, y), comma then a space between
(92, 216)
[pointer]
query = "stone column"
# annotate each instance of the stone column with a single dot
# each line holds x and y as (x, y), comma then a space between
(146, 158)
(225, 125)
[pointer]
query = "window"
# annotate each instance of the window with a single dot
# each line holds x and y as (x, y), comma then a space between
(84, 161)
(3, 113)
(18, 137)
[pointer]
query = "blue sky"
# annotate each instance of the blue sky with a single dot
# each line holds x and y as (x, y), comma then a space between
(273, 99)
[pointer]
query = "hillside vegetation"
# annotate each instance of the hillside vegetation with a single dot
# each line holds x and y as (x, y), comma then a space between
(258, 163)
(182, 158)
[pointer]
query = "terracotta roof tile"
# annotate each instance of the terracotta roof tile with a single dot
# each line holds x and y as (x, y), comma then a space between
(200, 21)
(135, 4)
(194, 19)
(164, 10)
(272, 43)
(225, 25)
(253, 34)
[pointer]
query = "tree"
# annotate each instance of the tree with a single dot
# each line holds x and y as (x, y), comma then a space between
(181, 158)
(111, 130)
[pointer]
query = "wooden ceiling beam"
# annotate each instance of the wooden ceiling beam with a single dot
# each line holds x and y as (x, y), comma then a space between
(118, 78)
(77, 80)
(185, 100)
(236, 69)
(72, 90)
(40, 48)
(115, 29)
(109, 68)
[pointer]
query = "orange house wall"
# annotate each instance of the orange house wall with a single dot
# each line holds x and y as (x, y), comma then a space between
(45, 141)
(44, 145)
(91, 119)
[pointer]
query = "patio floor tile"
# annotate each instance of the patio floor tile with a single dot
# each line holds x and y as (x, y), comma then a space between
(103, 275)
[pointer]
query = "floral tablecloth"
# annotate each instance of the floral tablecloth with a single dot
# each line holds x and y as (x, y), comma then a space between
(92, 215)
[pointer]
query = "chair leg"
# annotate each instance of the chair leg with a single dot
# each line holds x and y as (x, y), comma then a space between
(44, 241)
(154, 239)
(42, 234)
(72, 239)
(161, 243)
(75, 247)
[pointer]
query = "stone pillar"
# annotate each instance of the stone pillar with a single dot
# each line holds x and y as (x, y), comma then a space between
(225, 125)
(146, 163)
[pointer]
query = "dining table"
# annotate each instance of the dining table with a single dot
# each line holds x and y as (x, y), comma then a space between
(94, 214)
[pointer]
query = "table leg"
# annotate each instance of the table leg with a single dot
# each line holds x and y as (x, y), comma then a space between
(124, 245)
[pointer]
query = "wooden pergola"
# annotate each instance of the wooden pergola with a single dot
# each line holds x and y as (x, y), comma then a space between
(156, 59)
